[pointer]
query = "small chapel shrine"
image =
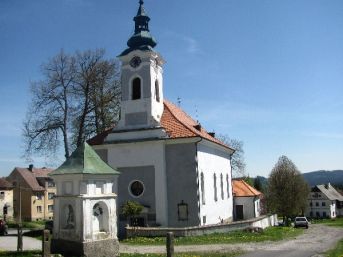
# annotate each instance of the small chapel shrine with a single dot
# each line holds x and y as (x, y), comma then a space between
(85, 218)
(168, 162)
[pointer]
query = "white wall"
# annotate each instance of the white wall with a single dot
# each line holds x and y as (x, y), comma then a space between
(249, 206)
(144, 154)
(214, 160)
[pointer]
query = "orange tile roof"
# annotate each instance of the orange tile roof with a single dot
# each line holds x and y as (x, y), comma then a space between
(176, 123)
(242, 188)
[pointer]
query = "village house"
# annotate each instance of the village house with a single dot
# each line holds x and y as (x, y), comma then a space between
(246, 200)
(33, 193)
(6, 199)
(324, 201)
(169, 163)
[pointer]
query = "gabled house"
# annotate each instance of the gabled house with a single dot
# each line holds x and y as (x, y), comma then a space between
(246, 200)
(33, 193)
(324, 201)
(169, 163)
(6, 199)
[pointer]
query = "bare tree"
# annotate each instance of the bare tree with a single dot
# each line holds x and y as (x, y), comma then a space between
(287, 190)
(237, 159)
(97, 87)
(78, 97)
(48, 118)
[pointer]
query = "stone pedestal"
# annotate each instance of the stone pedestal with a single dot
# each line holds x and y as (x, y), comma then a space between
(100, 248)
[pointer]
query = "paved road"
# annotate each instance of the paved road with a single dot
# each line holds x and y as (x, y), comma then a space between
(315, 240)
(9, 242)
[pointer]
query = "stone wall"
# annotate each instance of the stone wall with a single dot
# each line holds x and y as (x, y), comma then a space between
(262, 222)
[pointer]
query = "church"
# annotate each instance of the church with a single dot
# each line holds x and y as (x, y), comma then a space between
(168, 162)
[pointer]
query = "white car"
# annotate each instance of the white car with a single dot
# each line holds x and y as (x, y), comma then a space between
(300, 222)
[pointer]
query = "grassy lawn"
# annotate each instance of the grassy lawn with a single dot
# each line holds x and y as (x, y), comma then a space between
(232, 254)
(22, 254)
(28, 224)
(338, 222)
(336, 252)
(269, 234)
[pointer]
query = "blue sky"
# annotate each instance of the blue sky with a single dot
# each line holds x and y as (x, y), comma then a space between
(267, 72)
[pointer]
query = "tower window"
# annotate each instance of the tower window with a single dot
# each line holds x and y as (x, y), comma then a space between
(157, 91)
(136, 89)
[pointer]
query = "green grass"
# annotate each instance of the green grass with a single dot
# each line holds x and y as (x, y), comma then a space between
(21, 254)
(337, 251)
(28, 224)
(269, 234)
(338, 222)
(215, 254)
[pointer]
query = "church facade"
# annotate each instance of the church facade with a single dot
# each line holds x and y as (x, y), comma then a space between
(169, 163)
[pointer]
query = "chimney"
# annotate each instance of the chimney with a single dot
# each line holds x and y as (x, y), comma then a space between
(31, 167)
(212, 134)
(197, 127)
(328, 185)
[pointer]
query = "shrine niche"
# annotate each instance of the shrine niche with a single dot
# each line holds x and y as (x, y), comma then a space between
(85, 220)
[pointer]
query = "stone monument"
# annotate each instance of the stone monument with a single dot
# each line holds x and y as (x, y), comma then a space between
(85, 219)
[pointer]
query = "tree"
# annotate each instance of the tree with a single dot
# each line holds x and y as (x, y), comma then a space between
(48, 117)
(131, 209)
(237, 159)
(78, 98)
(258, 184)
(287, 190)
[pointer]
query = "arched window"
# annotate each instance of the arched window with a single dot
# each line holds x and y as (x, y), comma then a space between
(215, 187)
(136, 89)
(221, 186)
(202, 188)
(157, 91)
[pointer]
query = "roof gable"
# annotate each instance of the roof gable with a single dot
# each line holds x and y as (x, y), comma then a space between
(30, 176)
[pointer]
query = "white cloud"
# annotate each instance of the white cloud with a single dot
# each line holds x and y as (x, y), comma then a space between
(192, 46)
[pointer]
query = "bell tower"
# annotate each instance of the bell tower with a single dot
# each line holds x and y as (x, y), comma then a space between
(141, 78)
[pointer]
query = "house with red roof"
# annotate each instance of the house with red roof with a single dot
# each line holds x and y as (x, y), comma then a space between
(169, 163)
(246, 200)
(33, 193)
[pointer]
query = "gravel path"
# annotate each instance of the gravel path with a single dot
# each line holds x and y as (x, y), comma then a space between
(315, 240)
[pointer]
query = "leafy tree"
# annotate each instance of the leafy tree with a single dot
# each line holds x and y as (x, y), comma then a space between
(287, 190)
(237, 159)
(258, 184)
(131, 209)
(77, 98)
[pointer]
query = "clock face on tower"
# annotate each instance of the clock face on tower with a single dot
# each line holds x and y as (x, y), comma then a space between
(135, 62)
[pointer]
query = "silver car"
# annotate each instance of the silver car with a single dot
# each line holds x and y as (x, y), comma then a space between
(300, 222)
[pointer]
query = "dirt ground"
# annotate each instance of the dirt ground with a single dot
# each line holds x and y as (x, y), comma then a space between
(315, 240)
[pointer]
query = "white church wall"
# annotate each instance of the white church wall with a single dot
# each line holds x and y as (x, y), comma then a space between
(144, 154)
(213, 160)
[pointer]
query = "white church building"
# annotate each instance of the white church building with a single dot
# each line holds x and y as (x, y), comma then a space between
(169, 163)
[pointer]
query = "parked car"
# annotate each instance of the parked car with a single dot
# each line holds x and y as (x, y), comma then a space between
(3, 228)
(300, 222)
